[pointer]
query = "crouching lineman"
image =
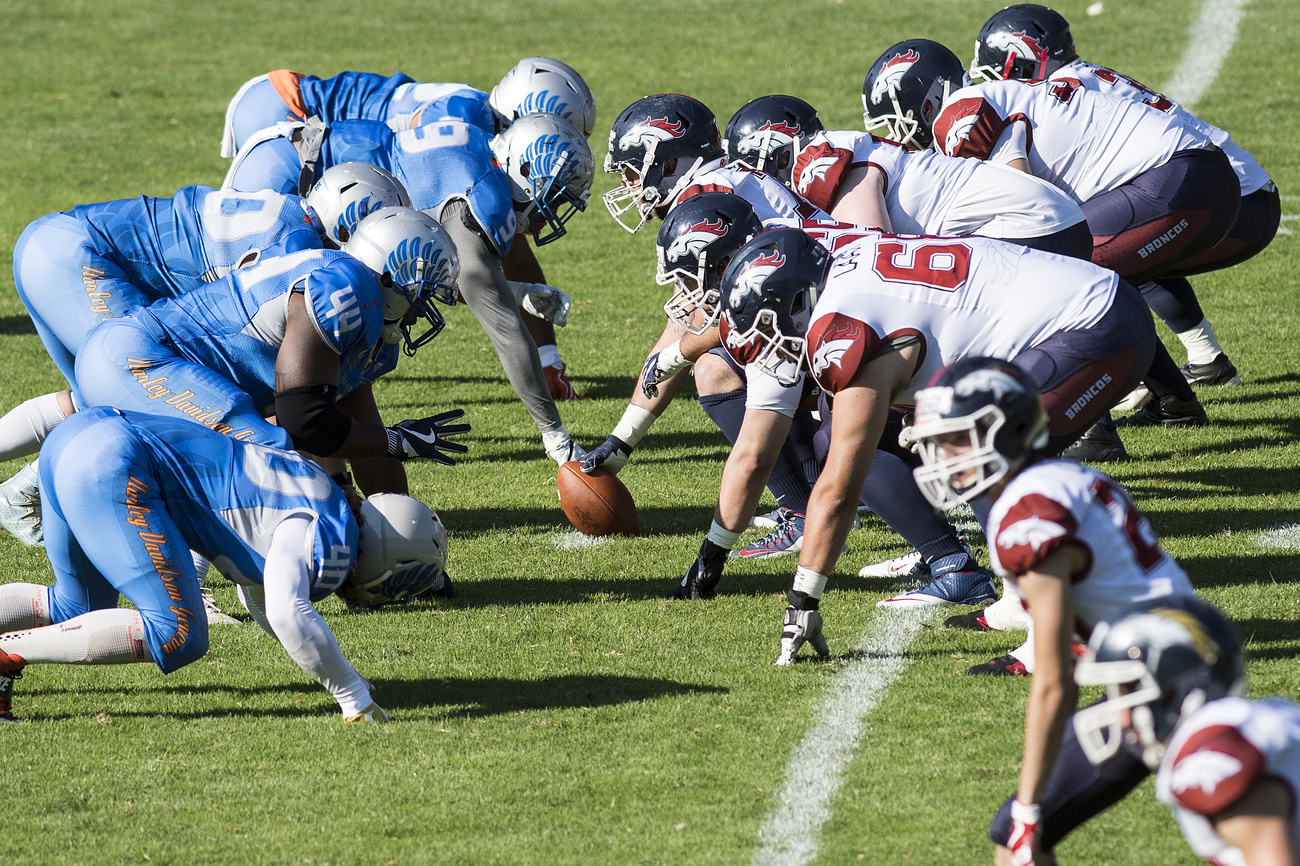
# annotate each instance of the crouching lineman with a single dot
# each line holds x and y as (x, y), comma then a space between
(874, 323)
(128, 495)
(1228, 767)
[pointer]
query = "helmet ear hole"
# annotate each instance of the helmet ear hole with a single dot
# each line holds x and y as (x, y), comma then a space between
(344, 234)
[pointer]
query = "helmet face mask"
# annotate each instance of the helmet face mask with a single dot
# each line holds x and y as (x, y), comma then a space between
(1022, 43)
(1159, 665)
(401, 551)
(550, 167)
(906, 87)
(980, 420)
(416, 262)
(695, 243)
(656, 146)
(764, 134)
(346, 194)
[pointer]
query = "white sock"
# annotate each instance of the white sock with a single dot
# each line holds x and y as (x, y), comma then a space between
(550, 355)
(1025, 652)
(201, 564)
(1201, 344)
(101, 637)
(23, 606)
(1007, 613)
(25, 426)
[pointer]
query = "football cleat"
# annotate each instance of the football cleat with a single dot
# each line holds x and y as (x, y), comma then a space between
(1134, 400)
(20, 506)
(1220, 371)
(1168, 411)
(11, 668)
(371, 715)
(1100, 443)
(558, 383)
(770, 520)
(973, 621)
(1002, 666)
(907, 565)
(786, 539)
(957, 579)
(216, 616)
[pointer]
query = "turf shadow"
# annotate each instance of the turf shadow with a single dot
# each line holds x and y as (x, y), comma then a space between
(480, 698)
(16, 325)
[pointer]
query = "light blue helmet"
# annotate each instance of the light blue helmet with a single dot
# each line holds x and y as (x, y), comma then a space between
(550, 167)
(542, 84)
(416, 262)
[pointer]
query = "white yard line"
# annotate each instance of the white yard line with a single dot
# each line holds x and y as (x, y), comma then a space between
(792, 830)
(1209, 42)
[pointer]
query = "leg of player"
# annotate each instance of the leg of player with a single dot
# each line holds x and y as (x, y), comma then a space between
(484, 287)
(521, 265)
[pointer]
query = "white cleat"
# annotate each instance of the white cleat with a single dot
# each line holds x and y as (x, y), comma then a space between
(897, 567)
(1134, 400)
(766, 521)
(216, 616)
(20, 506)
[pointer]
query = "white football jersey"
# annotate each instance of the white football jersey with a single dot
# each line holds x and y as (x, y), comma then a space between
(1090, 76)
(770, 198)
(1055, 503)
(928, 193)
(1216, 755)
(1084, 143)
(957, 297)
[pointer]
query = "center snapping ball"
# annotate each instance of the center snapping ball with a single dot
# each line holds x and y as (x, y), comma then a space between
(596, 503)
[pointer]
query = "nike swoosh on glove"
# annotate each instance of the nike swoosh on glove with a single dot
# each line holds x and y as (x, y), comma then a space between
(428, 437)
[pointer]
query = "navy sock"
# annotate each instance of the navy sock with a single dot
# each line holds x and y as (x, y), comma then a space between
(1164, 378)
(892, 493)
(1174, 301)
(787, 482)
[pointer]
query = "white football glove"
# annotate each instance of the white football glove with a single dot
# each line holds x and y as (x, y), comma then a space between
(1023, 841)
(801, 626)
(371, 715)
(543, 301)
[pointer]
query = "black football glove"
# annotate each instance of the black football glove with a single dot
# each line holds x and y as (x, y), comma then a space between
(612, 454)
(428, 437)
(704, 574)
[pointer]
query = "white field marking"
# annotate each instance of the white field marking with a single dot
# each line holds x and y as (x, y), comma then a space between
(1209, 40)
(575, 540)
(791, 832)
(1284, 537)
(1290, 197)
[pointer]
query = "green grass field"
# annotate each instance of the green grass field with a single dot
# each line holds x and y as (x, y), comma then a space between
(561, 711)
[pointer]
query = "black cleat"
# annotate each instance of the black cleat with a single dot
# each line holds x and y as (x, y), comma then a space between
(1220, 371)
(973, 621)
(1002, 666)
(1100, 443)
(1168, 411)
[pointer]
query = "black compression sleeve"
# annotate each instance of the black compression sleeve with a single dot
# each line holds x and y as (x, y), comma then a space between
(311, 419)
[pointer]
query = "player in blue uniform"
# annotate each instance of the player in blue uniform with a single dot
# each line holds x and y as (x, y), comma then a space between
(77, 268)
(450, 169)
(128, 495)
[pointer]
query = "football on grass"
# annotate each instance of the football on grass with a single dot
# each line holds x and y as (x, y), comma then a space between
(596, 503)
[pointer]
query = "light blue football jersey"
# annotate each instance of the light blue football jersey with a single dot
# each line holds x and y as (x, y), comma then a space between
(392, 100)
(225, 496)
(235, 325)
(168, 246)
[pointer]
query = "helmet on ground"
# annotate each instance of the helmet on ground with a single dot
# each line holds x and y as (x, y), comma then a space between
(542, 84)
(695, 244)
(1022, 43)
(992, 412)
(550, 167)
(764, 134)
(1162, 662)
(906, 87)
(656, 145)
(349, 192)
(401, 551)
(768, 294)
(416, 262)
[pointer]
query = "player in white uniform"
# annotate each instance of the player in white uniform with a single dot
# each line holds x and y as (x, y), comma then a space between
(1032, 43)
(878, 320)
(1074, 547)
(1227, 766)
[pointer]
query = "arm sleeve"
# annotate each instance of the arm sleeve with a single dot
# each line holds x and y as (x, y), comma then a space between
(297, 625)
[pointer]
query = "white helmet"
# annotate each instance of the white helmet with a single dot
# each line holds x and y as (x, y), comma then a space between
(349, 192)
(540, 84)
(550, 167)
(401, 551)
(416, 261)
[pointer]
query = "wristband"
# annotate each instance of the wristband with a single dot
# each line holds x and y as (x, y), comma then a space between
(723, 537)
(634, 424)
(809, 582)
(395, 442)
(1026, 813)
(672, 358)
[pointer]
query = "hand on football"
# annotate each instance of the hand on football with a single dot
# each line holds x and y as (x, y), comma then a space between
(371, 715)
(702, 577)
(799, 627)
(428, 437)
(612, 454)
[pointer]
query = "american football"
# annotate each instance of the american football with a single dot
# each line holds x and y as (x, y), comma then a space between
(596, 503)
